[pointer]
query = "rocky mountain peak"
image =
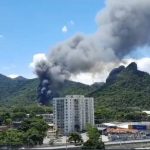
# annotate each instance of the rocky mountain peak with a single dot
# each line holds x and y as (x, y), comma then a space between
(132, 66)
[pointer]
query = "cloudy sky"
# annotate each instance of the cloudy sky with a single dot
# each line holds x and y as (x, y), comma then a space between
(31, 27)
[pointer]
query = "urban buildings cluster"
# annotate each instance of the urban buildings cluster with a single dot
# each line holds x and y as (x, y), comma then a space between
(73, 113)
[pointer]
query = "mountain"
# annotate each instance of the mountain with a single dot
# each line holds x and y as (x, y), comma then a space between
(124, 87)
(17, 91)
(22, 91)
(20, 78)
(97, 85)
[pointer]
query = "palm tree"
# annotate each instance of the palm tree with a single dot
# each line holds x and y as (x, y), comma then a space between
(75, 137)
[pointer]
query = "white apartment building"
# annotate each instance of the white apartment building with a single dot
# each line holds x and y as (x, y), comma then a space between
(72, 113)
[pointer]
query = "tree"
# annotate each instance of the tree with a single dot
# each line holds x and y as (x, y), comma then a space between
(4, 116)
(18, 116)
(25, 125)
(32, 137)
(75, 137)
(34, 130)
(94, 142)
(93, 133)
(39, 124)
(11, 138)
(8, 121)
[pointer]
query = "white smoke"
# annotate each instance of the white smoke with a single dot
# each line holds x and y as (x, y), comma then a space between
(37, 58)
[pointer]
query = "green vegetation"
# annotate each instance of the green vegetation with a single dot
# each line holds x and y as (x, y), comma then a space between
(124, 95)
(7, 115)
(23, 92)
(127, 88)
(34, 130)
(17, 92)
(31, 132)
(103, 114)
(94, 142)
(122, 98)
(75, 137)
(31, 129)
(11, 138)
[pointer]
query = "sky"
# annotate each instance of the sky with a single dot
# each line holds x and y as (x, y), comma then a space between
(29, 27)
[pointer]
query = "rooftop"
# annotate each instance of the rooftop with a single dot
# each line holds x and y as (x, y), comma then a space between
(121, 131)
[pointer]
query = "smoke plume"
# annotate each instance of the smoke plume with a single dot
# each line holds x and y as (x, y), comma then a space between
(123, 26)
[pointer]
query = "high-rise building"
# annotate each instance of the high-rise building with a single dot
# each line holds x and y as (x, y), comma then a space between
(73, 113)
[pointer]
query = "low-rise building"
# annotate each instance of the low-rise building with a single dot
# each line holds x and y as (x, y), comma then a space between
(125, 131)
(47, 117)
(51, 133)
(4, 128)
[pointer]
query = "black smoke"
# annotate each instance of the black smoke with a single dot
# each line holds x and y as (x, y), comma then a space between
(44, 92)
(47, 88)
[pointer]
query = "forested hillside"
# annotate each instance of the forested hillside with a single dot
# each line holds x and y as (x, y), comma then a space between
(125, 87)
(21, 91)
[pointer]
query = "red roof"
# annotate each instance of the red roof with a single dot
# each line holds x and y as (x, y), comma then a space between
(121, 130)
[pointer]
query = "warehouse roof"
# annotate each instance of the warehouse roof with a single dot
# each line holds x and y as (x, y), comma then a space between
(121, 131)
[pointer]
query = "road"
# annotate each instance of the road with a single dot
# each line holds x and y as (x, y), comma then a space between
(58, 147)
(123, 142)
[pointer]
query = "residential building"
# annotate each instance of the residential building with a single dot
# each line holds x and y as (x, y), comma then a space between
(72, 113)
(47, 117)
(51, 133)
